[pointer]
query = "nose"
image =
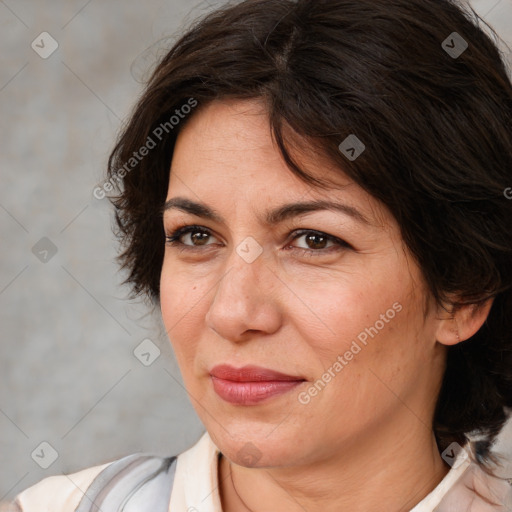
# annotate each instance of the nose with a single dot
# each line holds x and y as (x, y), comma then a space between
(245, 300)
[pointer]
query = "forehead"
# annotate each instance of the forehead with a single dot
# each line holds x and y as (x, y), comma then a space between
(225, 150)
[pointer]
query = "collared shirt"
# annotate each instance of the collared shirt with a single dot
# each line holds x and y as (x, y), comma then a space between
(195, 486)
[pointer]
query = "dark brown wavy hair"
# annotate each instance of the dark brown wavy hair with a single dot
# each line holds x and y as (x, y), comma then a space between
(438, 134)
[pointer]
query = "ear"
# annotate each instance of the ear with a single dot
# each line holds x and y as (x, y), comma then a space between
(456, 325)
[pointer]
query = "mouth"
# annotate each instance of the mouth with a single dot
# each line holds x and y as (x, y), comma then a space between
(251, 385)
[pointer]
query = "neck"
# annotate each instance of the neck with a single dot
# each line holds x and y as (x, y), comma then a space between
(370, 477)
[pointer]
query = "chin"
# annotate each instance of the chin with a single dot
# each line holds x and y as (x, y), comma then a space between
(255, 450)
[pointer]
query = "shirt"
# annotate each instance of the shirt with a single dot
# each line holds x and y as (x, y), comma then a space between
(195, 487)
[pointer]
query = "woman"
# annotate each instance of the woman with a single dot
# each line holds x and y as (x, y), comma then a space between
(314, 194)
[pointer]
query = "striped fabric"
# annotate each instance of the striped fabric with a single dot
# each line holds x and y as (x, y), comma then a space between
(135, 483)
(188, 482)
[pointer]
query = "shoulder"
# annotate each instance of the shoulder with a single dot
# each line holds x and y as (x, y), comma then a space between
(134, 477)
(57, 493)
(140, 481)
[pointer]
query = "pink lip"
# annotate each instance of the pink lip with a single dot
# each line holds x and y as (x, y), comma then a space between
(251, 384)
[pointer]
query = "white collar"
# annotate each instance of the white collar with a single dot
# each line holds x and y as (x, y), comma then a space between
(196, 485)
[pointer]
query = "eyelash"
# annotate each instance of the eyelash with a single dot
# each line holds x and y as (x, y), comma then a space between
(173, 240)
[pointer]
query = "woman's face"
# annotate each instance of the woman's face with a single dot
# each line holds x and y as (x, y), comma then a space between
(347, 317)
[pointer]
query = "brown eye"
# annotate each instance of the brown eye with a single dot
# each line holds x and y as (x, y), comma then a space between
(316, 243)
(198, 236)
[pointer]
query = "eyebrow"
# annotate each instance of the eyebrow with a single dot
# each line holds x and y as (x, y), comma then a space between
(272, 217)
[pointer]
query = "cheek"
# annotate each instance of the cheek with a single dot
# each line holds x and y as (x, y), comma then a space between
(337, 311)
(182, 311)
(181, 292)
(363, 331)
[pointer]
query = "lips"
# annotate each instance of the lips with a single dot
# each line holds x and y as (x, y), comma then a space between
(250, 374)
(251, 385)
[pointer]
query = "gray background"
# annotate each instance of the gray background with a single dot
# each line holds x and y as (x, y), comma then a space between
(69, 376)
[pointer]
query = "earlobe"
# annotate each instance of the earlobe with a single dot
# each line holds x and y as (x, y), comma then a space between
(460, 324)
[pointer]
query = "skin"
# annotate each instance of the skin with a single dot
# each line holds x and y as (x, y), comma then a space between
(365, 442)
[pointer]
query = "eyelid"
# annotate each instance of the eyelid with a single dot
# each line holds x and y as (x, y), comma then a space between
(303, 231)
(186, 229)
(339, 244)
